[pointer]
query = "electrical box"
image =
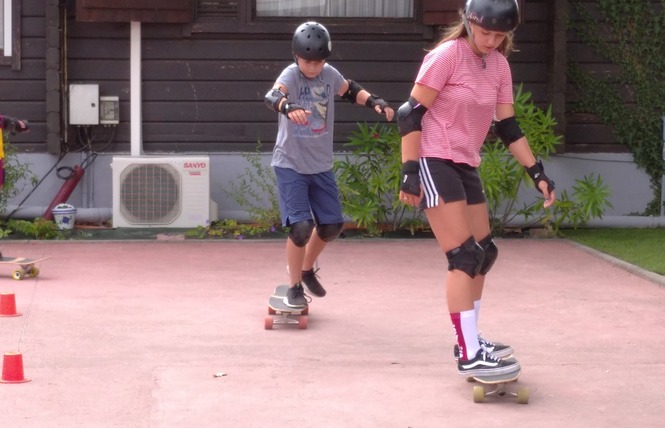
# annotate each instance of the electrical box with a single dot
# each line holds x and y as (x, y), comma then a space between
(84, 104)
(109, 110)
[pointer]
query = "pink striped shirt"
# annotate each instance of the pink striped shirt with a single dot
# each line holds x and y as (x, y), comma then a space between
(456, 124)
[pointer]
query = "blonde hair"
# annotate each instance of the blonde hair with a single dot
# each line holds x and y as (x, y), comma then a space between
(458, 30)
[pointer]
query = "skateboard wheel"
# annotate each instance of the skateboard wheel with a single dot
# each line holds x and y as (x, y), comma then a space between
(523, 395)
(271, 311)
(478, 394)
(302, 322)
(34, 271)
(17, 275)
(267, 323)
(306, 311)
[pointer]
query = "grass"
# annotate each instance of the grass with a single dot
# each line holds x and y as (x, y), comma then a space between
(641, 247)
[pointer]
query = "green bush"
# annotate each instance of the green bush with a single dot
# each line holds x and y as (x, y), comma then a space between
(502, 178)
(15, 172)
(256, 191)
(369, 179)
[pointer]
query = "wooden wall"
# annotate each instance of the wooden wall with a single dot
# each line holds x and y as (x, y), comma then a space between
(203, 89)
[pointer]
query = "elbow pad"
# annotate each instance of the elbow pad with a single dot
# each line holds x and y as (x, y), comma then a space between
(352, 93)
(273, 98)
(410, 116)
(508, 130)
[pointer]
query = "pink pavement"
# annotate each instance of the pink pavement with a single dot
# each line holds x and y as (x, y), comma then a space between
(171, 334)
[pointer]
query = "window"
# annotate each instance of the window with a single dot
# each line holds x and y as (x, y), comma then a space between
(10, 13)
(387, 18)
(336, 8)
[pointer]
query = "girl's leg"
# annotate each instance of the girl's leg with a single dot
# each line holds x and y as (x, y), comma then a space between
(480, 226)
(451, 225)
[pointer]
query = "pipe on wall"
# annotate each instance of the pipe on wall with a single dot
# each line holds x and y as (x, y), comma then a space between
(86, 215)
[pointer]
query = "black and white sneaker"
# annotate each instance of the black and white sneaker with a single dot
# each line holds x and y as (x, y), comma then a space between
(497, 349)
(485, 364)
(311, 281)
(295, 297)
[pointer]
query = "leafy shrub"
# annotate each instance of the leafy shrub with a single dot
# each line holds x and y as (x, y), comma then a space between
(369, 179)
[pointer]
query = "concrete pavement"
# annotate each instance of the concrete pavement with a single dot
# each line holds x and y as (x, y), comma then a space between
(132, 334)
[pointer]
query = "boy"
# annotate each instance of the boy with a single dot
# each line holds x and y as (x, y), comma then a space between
(303, 155)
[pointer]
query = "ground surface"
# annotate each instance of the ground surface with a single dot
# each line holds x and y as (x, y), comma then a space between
(131, 334)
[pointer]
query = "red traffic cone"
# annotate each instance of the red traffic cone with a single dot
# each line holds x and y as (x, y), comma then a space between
(12, 368)
(8, 305)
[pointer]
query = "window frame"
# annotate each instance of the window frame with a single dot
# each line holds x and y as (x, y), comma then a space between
(248, 23)
(14, 60)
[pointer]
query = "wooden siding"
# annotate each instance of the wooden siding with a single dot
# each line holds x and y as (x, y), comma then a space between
(161, 11)
(203, 90)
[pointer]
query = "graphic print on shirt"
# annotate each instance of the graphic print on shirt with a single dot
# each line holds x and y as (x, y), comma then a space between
(315, 98)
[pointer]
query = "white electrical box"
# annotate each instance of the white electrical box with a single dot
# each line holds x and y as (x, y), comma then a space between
(84, 104)
(109, 110)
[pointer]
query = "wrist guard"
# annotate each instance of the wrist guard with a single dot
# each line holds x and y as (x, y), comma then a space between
(374, 100)
(289, 107)
(537, 174)
(410, 182)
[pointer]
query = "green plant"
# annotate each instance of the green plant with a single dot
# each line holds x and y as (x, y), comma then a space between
(40, 228)
(502, 177)
(628, 98)
(231, 229)
(369, 178)
(256, 191)
(15, 173)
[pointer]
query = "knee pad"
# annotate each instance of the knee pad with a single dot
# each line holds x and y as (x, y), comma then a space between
(329, 232)
(301, 232)
(468, 257)
(491, 253)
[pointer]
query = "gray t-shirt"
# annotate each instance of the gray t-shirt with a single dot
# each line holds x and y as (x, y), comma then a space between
(308, 149)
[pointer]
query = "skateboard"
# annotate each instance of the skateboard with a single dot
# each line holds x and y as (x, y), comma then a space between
(280, 314)
(498, 386)
(25, 267)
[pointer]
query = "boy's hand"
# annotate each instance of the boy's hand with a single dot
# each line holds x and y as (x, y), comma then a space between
(13, 125)
(295, 113)
(380, 106)
(389, 112)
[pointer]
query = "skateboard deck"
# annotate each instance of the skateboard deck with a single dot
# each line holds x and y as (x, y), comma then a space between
(498, 386)
(281, 314)
(24, 267)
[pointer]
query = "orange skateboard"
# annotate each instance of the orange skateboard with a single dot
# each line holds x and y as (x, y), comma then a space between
(24, 267)
(281, 314)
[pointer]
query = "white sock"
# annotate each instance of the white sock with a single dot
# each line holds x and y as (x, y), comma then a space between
(476, 308)
(469, 332)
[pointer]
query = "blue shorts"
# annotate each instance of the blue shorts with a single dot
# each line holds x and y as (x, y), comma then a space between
(308, 196)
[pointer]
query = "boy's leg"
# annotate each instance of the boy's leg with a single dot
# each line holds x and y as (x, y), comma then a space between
(295, 209)
(327, 210)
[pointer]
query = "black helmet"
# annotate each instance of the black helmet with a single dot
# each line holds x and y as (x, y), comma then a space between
(311, 41)
(493, 15)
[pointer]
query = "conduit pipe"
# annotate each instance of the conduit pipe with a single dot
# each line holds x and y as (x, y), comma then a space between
(84, 215)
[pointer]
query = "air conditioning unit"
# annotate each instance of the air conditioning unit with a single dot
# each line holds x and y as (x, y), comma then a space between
(162, 191)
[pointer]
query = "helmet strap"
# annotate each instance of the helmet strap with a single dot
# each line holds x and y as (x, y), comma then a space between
(472, 39)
